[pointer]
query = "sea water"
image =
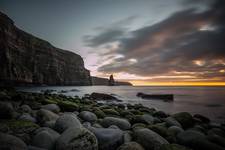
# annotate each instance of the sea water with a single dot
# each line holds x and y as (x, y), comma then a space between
(207, 101)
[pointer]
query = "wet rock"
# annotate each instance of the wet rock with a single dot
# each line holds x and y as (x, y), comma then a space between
(77, 138)
(185, 119)
(102, 96)
(217, 140)
(127, 137)
(19, 128)
(9, 142)
(138, 126)
(27, 117)
(50, 124)
(216, 131)
(121, 123)
(174, 130)
(146, 119)
(149, 139)
(67, 106)
(161, 130)
(196, 140)
(159, 114)
(108, 138)
(65, 121)
(44, 115)
(170, 121)
(52, 107)
(88, 116)
(45, 138)
(6, 110)
(131, 146)
(202, 118)
(25, 109)
(87, 125)
(111, 112)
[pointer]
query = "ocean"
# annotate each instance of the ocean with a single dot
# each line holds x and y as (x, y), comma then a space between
(207, 101)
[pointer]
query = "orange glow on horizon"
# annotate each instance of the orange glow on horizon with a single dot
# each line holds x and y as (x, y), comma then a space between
(149, 83)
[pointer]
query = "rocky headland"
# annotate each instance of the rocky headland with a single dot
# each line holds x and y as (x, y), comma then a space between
(43, 121)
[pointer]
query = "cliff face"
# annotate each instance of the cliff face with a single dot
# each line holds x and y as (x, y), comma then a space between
(25, 59)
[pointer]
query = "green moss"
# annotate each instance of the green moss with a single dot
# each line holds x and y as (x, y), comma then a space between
(50, 101)
(19, 125)
(68, 106)
(99, 113)
(111, 112)
(124, 113)
(159, 129)
(136, 112)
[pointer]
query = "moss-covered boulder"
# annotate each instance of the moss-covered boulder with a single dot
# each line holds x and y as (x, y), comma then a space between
(185, 119)
(68, 106)
(111, 112)
(19, 128)
(98, 112)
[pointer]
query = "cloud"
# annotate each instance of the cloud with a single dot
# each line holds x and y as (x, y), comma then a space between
(188, 41)
(109, 34)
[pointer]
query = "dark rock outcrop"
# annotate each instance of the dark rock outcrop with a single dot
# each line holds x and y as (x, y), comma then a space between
(111, 81)
(105, 81)
(26, 59)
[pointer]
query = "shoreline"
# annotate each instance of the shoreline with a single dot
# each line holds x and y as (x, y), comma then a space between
(39, 116)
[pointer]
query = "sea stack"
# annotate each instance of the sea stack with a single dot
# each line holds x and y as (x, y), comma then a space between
(111, 80)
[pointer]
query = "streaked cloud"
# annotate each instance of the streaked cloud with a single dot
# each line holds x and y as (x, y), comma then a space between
(188, 45)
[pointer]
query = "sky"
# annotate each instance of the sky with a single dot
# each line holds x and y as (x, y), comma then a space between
(146, 42)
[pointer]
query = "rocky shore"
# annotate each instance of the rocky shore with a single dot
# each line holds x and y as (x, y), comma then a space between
(44, 121)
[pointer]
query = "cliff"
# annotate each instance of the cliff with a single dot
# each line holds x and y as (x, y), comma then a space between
(26, 59)
(105, 81)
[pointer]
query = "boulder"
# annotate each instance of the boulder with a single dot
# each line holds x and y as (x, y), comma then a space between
(131, 146)
(217, 139)
(174, 130)
(108, 138)
(44, 115)
(102, 96)
(6, 110)
(127, 137)
(25, 109)
(202, 118)
(185, 119)
(111, 112)
(170, 121)
(149, 139)
(146, 119)
(65, 121)
(121, 123)
(67, 106)
(52, 107)
(45, 138)
(77, 139)
(159, 114)
(88, 116)
(196, 140)
(216, 131)
(27, 117)
(9, 142)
